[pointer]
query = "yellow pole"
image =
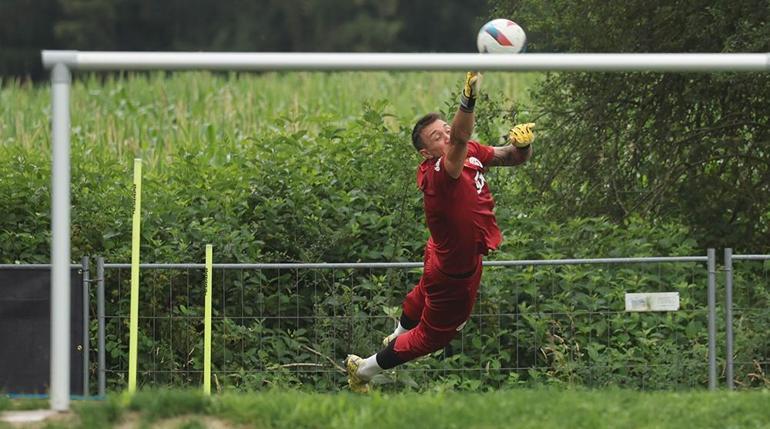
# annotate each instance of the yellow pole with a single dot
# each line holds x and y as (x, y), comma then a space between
(134, 316)
(207, 325)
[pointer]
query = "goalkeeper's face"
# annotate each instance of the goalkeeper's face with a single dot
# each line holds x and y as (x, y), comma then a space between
(435, 138)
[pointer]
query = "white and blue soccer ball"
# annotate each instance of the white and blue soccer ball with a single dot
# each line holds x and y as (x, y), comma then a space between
(501, 36)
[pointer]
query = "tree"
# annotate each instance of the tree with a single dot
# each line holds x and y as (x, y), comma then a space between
(87, 24)
(25, 29)
(693, 146)
(27, 26)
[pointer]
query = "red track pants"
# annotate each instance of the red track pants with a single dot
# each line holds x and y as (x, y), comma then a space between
(442, 304)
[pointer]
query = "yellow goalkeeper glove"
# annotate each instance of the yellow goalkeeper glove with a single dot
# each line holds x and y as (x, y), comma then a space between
(470, 91)
(521, 135)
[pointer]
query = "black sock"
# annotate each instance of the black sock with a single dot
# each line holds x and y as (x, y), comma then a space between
(407, 323)
(387, 359)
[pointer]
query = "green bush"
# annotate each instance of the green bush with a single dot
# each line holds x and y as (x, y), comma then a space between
(268, 179)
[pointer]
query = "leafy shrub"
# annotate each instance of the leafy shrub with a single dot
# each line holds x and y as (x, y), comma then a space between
(323, 183)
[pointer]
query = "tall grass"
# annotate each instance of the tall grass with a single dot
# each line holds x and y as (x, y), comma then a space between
(158, 116)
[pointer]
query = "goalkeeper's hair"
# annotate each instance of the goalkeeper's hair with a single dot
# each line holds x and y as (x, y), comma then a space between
(420, 125)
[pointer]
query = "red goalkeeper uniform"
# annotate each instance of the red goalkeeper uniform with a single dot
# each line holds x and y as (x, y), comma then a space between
(460, 217)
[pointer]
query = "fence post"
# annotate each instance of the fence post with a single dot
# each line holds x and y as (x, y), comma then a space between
(729, 316)
(86, 325)
(711, 253)
(100, 315)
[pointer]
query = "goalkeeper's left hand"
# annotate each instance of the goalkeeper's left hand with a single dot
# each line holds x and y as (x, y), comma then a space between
(521, 135)
(470, 91)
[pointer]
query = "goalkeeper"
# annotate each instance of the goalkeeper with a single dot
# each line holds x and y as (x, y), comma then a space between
(459, 213)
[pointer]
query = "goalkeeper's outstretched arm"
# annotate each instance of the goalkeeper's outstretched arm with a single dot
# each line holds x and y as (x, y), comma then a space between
(462, 126)
(519, 150)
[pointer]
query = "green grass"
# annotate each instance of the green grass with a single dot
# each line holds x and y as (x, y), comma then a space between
(7, 403)
(525, 408)
(158, 116)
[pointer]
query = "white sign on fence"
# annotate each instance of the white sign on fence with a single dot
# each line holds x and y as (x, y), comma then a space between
(658, 301)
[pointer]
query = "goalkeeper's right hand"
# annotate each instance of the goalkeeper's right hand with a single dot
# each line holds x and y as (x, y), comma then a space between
(470, 91)
(521, 135)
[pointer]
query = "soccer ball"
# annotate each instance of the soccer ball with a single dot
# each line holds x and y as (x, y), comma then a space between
(501, 36)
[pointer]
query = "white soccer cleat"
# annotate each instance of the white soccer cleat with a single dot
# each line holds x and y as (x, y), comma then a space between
(356, 383)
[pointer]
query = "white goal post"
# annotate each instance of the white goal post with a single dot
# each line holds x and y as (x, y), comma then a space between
(62, 63)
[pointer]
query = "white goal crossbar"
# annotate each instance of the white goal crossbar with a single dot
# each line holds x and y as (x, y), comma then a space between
(77, 60)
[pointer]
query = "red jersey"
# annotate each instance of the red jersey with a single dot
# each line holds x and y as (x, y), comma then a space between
(459, 212)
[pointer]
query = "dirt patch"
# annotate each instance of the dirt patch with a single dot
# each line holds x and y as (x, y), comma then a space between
(35, 419)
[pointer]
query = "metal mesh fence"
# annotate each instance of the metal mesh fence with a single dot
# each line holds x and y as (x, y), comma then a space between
(291, 325)
(748, 290)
